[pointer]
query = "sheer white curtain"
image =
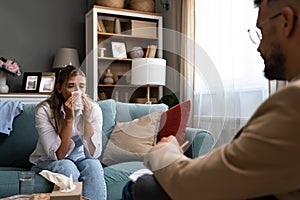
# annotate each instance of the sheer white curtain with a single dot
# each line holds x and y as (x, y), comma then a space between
(228, 88)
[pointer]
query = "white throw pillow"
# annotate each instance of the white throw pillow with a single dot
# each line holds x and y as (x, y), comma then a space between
(129, 141)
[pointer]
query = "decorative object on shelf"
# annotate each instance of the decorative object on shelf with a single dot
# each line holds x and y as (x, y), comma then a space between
(119, 49)
(151, 51)
(117, 28)
(101, 52)
(142, 5)
(136, 52)
(100, 25)
(102, 95)
(7, 67)
(141, 28)
(110, 3)
(3, 86)
(31, 81)
(47, 82)
(66, 56)
(108, 77)
(148, 71)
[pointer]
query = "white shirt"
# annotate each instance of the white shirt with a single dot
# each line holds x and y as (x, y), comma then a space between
(49, 140)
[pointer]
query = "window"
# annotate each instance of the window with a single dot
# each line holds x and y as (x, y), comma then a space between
(222, 32)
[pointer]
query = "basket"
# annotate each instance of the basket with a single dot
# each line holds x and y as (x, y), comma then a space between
(142, 5)
(111, 3)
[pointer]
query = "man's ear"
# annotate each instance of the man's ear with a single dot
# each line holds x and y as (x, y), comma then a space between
(289, 20)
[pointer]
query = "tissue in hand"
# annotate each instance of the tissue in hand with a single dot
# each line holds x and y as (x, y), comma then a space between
(78, 103)
(63, 182)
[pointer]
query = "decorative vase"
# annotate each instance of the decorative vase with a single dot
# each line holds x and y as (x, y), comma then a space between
(117, 29)
(3, 87)
(136, 52)
(108, 77)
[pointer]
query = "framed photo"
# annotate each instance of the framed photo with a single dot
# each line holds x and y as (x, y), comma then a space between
(119, 49)
(47, 82)
(31, 81)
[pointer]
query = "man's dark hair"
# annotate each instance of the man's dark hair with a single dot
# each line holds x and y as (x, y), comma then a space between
(258, 2)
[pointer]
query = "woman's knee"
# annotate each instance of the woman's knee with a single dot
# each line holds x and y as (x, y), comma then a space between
(91, 166)
(65, 167)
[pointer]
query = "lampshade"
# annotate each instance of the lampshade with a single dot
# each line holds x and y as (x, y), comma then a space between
(148, 71)
(66, 56)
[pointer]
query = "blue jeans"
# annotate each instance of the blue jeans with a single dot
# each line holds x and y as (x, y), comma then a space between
(88, 171)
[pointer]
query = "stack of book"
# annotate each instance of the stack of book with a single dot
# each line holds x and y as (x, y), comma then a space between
(151, 51)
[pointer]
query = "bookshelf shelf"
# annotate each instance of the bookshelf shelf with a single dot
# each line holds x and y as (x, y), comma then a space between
(103, 34)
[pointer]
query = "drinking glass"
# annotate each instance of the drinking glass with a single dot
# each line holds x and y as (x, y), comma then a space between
(26, 182)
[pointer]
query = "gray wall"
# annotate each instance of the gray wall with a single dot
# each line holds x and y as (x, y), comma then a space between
(32, 30)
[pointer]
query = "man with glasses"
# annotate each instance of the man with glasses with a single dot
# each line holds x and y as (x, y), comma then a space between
(263, 161)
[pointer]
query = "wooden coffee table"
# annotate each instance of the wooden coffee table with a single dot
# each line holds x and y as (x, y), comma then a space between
(41, 196)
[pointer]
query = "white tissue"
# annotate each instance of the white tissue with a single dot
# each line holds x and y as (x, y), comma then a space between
(64, 183)
(78, 103)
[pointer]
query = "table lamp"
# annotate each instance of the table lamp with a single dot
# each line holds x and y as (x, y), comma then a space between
(148, 71)
(66, 56)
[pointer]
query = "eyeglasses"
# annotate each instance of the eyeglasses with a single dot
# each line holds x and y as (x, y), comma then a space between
(255, 33)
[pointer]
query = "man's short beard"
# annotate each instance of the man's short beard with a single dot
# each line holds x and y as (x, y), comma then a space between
(275, 65)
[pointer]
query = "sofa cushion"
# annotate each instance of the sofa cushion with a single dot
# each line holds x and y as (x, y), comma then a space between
(128, 112)
(174, 121)
(108, 108)
(116, 176)
(129, 141)
(10, 184)
(16, 148)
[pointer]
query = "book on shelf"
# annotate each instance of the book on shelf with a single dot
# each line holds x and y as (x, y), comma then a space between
(101, 27)
(151, 51)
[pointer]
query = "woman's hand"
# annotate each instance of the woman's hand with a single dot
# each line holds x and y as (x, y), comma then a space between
(69, 106)
(88, 107)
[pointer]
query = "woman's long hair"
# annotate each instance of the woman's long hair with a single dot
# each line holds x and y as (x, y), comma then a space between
(56, 99)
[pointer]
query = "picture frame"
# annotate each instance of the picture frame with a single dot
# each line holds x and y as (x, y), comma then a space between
(119, 49)
(47, 82)
(31, 82)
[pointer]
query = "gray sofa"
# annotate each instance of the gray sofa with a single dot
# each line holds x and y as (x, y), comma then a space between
(16, 148)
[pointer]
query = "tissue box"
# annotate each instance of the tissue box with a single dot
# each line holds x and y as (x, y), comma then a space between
(76, 194)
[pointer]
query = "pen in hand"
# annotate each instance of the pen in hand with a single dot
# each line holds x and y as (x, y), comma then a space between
(184, 144)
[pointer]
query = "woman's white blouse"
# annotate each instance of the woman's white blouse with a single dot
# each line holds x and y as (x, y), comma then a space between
(49, 141)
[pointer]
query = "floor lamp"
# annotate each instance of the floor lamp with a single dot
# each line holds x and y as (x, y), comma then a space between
(148, 71)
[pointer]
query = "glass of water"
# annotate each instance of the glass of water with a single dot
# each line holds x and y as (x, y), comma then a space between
(26, 182)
